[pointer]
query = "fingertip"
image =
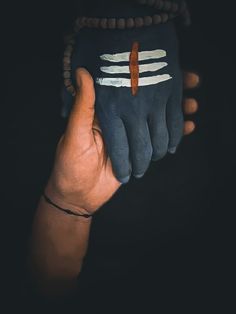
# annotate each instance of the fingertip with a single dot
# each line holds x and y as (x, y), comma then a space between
(85, 87)
(189, 127)
(139, 176)
(172, 150)
(191, 80)
(124, 180)
(190, 106)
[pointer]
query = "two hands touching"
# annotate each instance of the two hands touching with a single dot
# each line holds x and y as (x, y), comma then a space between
(83, 178)
(82, 181)
(93, 159)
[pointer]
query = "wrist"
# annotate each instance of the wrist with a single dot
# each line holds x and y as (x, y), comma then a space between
(61, 201)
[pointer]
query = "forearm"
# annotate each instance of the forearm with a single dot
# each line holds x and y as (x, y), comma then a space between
(58, 246)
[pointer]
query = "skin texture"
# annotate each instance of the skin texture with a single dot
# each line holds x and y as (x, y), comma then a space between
(82, 180)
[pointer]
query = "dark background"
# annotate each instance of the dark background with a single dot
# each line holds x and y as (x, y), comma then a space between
(166, 239)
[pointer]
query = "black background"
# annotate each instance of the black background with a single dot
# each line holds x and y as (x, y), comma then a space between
(166, 239)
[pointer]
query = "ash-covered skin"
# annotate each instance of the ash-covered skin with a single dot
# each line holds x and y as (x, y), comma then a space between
(140, 128)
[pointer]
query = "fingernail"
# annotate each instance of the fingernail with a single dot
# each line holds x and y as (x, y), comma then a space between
(124, 180)
(139, 176)
(172, 150)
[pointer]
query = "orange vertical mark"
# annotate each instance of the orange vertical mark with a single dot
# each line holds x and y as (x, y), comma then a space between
(134, 68)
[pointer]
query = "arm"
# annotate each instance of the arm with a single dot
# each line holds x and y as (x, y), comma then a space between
(59, 244)
(82, 180)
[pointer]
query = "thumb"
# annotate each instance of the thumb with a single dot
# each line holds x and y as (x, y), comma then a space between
(82, 114)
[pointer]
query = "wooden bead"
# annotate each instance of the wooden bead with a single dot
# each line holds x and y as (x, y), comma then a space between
(103, 23)
(69, 48)
(95, 22)
(66, 75)
(147, 20)
(121, 23)
(111, 23)
(130, 23)
(71, 89)
(90, 22)
(66, 60)
(67, 67)
(81, 22)
(67, 82)
(67, 53)
(138, 21)
(164, 17)
(156, 19)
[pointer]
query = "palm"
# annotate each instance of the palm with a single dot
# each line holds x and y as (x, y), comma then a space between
(93, 173)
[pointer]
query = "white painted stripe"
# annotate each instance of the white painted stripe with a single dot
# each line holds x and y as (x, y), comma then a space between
(143, 55)
(115, 69)
(152, 67)
(154, 54)
(116, 82)
(124, 82)
(152, 80)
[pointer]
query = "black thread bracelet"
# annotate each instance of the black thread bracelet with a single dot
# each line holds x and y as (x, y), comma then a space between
(67, 211)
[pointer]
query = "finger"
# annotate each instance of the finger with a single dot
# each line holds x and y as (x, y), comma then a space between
(139, 145)
(190, 106)
(189, 127)
(175, 120)
(117, 147)
(191, 80)
(82, 114)
(159, 134)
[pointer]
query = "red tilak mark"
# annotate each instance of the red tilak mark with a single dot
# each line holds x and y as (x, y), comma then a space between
(134, 68)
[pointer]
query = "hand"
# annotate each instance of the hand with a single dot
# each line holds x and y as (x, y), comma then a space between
(82, 178)
(144, 127)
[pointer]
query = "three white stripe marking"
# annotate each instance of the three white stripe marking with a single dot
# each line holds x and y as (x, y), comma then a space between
(124, 57)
